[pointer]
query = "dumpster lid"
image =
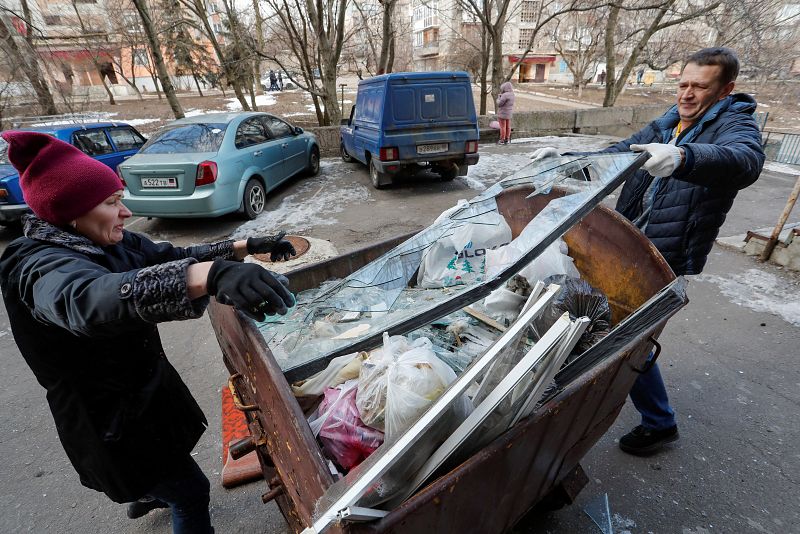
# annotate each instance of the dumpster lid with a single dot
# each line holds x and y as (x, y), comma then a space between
(377, 298)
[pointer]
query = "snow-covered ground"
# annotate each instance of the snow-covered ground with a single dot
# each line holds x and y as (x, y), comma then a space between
(261, 100)
(311, 204)
(760, 291)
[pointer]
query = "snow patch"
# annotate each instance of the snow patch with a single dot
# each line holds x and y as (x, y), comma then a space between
(622, 524)
(261, 100)
(139, 122)
(314, 204)
(761, 292)
(194, 112)
(782, 168)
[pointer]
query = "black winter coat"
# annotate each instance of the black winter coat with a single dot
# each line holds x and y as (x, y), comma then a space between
(723, 155)
(84, 318)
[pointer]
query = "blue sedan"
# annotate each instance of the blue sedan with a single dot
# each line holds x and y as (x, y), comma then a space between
(109, 142)
(217, 163)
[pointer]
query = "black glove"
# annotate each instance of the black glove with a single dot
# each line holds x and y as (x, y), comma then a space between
(250, 288)
(275, 245)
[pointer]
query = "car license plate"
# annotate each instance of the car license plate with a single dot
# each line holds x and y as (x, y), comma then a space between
(159, 182)
(432, 149)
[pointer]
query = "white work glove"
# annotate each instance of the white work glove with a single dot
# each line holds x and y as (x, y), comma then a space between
(546, 152)
(664, 159)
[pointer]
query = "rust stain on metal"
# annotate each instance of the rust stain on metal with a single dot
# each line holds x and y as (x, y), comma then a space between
(300, 244)
(612, 256)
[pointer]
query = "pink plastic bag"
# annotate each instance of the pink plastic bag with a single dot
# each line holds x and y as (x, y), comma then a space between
(345, 438)
(495, 125)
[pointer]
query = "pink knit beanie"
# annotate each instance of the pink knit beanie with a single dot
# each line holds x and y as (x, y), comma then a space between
(59, 182)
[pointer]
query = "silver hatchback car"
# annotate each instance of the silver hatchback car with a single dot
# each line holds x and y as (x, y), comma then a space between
(217, 163)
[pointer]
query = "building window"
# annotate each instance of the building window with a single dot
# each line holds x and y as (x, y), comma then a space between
(530, 11)
(131, 20)
(52, 20)
(525, 36)
(430, 37)
(140, 57)
(431, 17)
(418, 40)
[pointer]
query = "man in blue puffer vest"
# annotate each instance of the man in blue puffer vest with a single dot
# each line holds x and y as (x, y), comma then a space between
(702, 152)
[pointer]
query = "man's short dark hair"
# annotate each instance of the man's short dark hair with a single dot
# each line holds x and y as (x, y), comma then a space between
(718, 55)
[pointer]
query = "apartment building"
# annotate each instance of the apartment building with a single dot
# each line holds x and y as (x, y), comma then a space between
(446, 35)
(83, 43)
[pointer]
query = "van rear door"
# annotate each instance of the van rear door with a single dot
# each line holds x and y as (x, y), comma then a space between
(430, 115)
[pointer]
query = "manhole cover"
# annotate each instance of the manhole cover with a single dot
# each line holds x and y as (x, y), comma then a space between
(300, 244)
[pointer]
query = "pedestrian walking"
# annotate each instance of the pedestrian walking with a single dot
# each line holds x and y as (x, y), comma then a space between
(84, 297)
(280, 81)
(273, 81)
(505, 110)
(639, 76)
(702, 152)
(601, 78)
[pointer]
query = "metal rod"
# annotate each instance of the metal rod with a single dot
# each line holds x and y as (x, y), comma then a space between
(773, 239)
(380, 461)
(551, 368)
(357, 513)
(542, 348)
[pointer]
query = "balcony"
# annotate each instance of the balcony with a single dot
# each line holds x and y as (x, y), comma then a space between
(430, 48)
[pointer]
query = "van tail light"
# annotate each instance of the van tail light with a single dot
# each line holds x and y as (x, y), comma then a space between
(119, 173)
(472, 146)
(389, 154)
(206, 173)
(3, 193)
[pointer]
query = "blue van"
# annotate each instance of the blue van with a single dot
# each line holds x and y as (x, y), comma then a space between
(408, 121)
(107, 142)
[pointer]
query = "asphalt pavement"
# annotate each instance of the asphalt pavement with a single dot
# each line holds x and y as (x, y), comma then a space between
(729, 360)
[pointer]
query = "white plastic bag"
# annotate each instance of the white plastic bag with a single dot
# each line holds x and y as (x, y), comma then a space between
(554, 260)
(398, 382)
(460, 258)
(338, 371)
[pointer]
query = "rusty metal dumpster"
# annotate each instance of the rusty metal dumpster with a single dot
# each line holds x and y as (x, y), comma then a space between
(496, 486)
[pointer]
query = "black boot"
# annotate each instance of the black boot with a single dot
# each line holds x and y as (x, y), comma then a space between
(143, 506)
(642, 441)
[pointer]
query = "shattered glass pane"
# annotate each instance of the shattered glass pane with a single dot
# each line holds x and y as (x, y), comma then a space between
(351, 314)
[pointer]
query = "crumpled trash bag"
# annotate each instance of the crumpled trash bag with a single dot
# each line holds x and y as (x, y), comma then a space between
(344, 436)
(399, 381)
(581, 300)
(338, 371)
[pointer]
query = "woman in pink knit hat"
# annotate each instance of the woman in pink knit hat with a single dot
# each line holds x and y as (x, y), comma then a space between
(84, 297)
(505, 110)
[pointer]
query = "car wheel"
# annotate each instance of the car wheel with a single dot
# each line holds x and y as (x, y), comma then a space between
(347, 158)
(379, 179)
(254, 199)
(313, 162)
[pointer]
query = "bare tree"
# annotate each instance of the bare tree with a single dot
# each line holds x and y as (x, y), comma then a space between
(314, 33)
(22, 52)
(765, 33)
(328, 20)
(388, 37)
(93, 43)
(158, 58)
(629, 44)
(198, 9)
(579, 41)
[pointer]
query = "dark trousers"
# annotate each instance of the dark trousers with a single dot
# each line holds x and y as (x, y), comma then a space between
(186, 490)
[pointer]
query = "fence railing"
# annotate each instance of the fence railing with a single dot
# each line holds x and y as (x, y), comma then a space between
(782, 147)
